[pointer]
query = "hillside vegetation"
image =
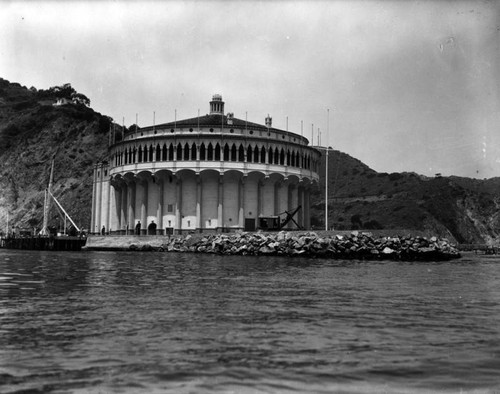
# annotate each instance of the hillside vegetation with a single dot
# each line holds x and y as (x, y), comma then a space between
(33, 132)
(461, 209)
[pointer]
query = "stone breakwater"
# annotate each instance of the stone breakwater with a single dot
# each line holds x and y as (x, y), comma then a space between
(352, 246)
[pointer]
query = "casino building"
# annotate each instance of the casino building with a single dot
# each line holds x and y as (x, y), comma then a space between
(212, 173)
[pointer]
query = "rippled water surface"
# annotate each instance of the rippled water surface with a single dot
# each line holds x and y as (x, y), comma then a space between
(105, 322)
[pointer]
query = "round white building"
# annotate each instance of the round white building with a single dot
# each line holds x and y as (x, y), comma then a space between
(212, 173)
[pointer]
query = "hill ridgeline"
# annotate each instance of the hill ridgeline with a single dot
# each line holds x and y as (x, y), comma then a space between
(34, 131)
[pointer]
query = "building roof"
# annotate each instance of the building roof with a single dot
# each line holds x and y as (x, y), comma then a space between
(212, 120)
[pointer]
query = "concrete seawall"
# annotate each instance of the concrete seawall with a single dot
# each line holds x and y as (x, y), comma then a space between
(124, 242)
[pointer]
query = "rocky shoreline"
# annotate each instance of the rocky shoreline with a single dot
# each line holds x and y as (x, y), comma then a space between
(356, 245)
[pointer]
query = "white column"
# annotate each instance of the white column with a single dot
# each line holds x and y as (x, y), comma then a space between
(123, 206)
(300, 191)
(178, 206)
(198, 202)
(159, 209)
(94, 198)
(97, 224)
(277, 206)
(115, 203)
(220, 216)
(131, 205)
(307, 208)
(108, 205)
(143, 204)
(241, 211)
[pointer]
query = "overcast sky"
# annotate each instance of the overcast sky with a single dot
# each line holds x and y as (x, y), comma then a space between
(410, 85)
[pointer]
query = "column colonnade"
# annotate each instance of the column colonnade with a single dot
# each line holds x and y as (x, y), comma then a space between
(189, 202)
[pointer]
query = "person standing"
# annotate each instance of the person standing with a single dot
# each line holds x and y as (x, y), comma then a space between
(152, 228)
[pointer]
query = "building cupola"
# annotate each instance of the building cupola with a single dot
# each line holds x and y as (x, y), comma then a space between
(216, 105)
(269, 121)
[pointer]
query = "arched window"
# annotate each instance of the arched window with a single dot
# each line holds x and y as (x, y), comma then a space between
(151, 152)
(241, 154)
(282, 157)
(287, 157)
(126, 156)
(249, 154)
(186, 151)
(256, 155)
(217, 152)
(179, 151)
(226, 152)
(171, 152)
(202, 152)
(134, 154)
(293, 158)
(263, 155)
(145, 154)
(193, 151)
(158, 153)
(233, 153)
(276, 156)
(164, 153)
(270, 156)
(140, 154)
(210, 152)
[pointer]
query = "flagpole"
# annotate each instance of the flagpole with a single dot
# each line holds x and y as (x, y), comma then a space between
(326, 168)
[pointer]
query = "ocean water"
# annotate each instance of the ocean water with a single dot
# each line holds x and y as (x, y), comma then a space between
(106, 322)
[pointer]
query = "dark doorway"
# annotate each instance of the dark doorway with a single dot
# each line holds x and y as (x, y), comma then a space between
(249, 224)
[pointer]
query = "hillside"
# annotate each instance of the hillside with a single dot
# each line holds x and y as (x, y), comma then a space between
(462, 209)
(33, 132)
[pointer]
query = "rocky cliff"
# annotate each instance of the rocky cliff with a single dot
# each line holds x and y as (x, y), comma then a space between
(33, 132)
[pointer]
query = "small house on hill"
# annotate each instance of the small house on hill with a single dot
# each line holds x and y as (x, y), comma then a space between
(62, 101)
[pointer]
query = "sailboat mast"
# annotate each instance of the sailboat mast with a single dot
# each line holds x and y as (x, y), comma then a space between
(46, 205)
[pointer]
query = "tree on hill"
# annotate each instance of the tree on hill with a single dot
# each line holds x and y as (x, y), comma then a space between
(68, 92)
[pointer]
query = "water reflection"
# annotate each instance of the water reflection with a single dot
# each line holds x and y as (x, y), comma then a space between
(142, 322)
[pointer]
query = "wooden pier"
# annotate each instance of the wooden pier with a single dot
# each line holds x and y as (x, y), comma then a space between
(44, 243)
